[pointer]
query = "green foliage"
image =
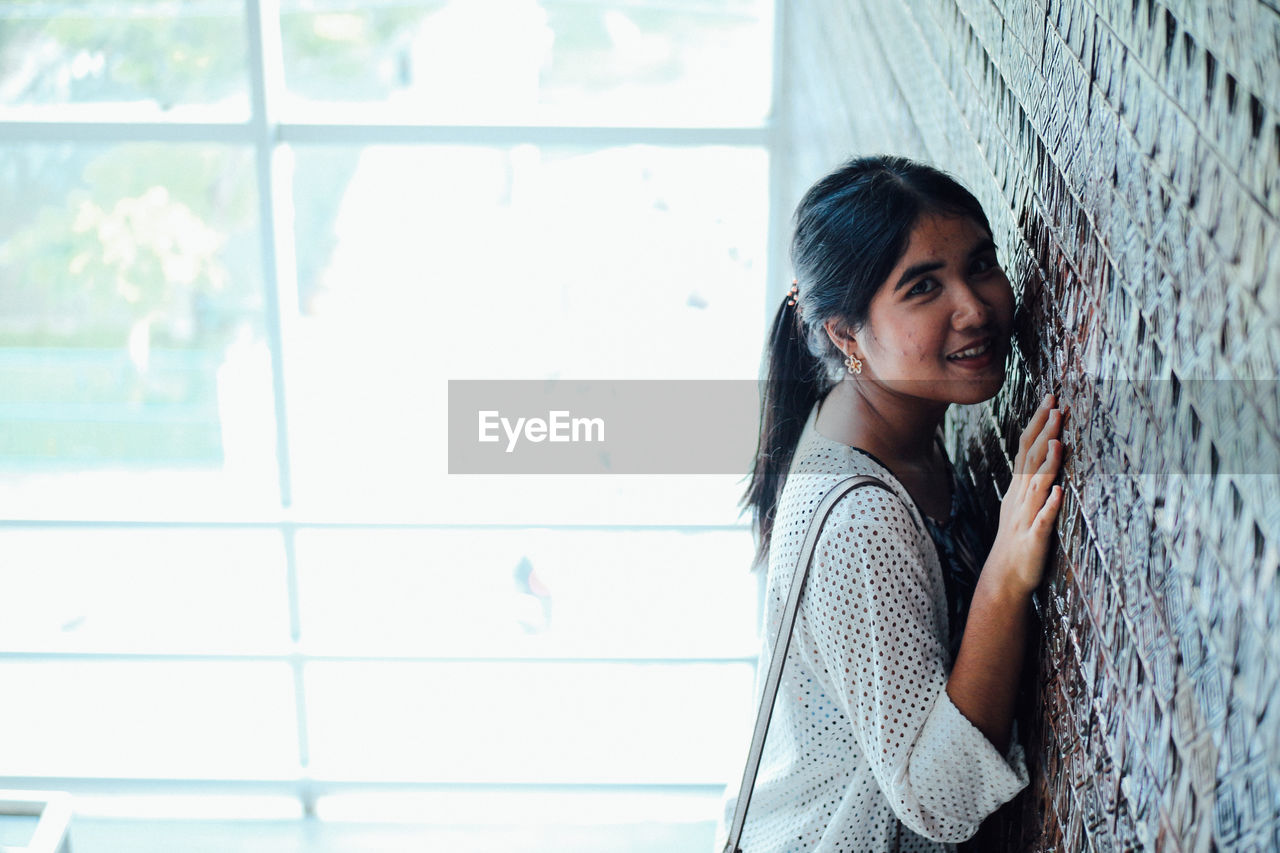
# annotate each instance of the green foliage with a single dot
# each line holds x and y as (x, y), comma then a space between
(346, 55)
(141, 239)
(99, 54)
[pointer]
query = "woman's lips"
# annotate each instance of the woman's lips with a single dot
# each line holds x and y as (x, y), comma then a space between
(978, 362)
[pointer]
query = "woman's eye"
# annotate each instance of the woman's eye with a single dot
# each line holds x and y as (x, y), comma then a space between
(983, 264)
(922, 286)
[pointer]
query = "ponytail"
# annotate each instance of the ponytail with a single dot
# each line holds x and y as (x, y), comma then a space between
(792, 387)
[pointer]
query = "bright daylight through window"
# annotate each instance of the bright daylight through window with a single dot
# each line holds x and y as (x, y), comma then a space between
(245, 247)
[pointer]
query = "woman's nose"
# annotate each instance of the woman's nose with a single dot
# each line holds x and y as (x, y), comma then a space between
(970, 308)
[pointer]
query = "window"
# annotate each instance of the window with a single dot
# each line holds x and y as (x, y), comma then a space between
(247, 245)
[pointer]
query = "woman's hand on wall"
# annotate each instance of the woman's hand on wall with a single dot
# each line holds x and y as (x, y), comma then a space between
(1031, 504)
(984, 679)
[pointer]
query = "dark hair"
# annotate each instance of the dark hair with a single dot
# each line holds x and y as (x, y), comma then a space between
(851, 229)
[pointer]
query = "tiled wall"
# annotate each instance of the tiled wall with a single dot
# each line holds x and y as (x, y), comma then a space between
(1128, 155)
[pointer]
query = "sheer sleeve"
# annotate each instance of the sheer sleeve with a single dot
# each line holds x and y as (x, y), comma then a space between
(878, 621)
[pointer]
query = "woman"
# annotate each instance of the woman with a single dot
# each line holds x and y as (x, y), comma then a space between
(892, 728)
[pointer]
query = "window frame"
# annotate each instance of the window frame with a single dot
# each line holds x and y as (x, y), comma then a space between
(268, 136)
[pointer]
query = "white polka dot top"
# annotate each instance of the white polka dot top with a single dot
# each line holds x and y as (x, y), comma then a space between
(865, 750)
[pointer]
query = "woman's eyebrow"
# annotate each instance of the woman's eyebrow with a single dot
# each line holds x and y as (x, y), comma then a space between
(918, 270)
(987, 245)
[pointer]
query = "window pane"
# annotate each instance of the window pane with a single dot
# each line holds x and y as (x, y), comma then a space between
(625, 62)
(132, 362)
(528, 263)
(529, 592)
(418, 265)
(142, 590)
(150, 56)
(547, 723)
(218, 720)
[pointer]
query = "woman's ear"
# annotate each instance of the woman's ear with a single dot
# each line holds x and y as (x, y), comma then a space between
(840, 335)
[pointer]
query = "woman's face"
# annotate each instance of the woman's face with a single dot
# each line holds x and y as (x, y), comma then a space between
(946, 296)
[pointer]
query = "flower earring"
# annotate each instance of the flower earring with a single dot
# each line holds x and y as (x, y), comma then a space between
(852, 362)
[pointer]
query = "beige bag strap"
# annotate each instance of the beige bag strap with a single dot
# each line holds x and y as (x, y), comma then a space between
(781, 642)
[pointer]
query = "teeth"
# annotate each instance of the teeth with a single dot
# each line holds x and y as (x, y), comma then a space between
(969, 353)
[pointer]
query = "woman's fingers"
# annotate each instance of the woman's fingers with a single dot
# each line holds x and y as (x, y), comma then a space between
(1042, 480)
(1032, 490)
(1048, 513)
(1029, 509)
(1052, 457)
(1039, 449)
(1032, 432)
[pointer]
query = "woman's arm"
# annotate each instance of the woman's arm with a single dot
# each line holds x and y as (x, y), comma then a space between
(984, 679)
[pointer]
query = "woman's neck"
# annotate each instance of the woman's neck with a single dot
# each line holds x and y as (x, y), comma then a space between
(897, 430)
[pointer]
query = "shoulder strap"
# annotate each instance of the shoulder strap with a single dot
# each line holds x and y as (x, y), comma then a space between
(781, 643)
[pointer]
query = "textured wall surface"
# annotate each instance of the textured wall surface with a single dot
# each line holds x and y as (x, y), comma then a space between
(1128, 154)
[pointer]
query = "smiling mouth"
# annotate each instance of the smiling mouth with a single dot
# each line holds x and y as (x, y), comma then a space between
(974, 352)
